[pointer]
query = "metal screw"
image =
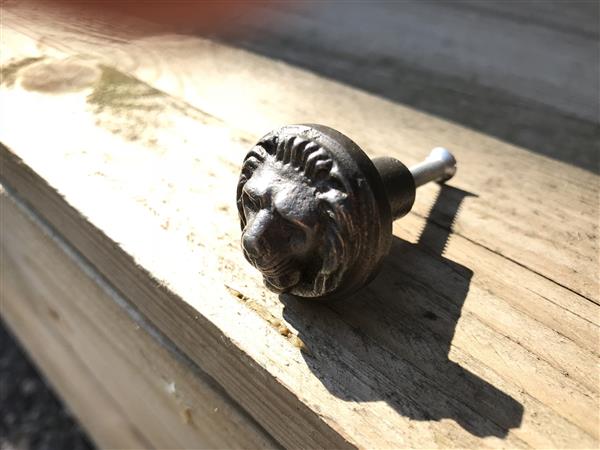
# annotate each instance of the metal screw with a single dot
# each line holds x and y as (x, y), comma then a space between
(316, 213)
(439, 166)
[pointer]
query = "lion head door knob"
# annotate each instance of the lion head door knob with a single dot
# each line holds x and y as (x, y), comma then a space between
(316, 213)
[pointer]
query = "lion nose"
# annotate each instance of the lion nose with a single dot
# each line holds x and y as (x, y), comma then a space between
(251, 244)
(253, 236)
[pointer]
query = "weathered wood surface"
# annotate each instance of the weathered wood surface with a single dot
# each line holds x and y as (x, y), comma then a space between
(112, 366)
(536, 50)
(525, 72)
(246, 93)
(481, 331)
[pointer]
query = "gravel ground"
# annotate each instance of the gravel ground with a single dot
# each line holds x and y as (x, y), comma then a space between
(31, 415)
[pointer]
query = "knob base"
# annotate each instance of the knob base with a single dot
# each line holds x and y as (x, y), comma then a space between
(398, 183)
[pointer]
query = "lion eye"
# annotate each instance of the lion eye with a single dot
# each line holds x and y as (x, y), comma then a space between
(251, 202)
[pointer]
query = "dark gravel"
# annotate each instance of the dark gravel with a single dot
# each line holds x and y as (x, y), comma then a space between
(31, 415)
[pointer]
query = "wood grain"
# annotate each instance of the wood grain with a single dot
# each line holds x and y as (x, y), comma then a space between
(509, 72)
(535, 51)
(521, 197)
(123, 383)
(482, 329)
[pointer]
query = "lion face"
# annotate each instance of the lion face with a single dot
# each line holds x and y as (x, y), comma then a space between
(282, 224)
(309, 220)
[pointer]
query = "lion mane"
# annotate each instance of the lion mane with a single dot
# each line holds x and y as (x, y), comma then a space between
(339, 244)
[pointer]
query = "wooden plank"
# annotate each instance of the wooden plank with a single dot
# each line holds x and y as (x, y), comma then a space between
(579, 17)
(394, 70)
(246, 92)
(540, 51)
(476, 63)
(468, 349)
(128, 390)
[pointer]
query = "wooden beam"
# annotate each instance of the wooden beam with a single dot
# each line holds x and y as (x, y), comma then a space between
(481, 330)
(534, 52)
(523, 75)
(122, 378)
(517, 192)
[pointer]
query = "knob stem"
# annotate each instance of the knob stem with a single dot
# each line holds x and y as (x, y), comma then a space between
(401, 182)
(439, 166)
(398, 183)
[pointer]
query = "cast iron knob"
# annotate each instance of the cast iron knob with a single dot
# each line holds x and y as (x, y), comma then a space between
(316, 213)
